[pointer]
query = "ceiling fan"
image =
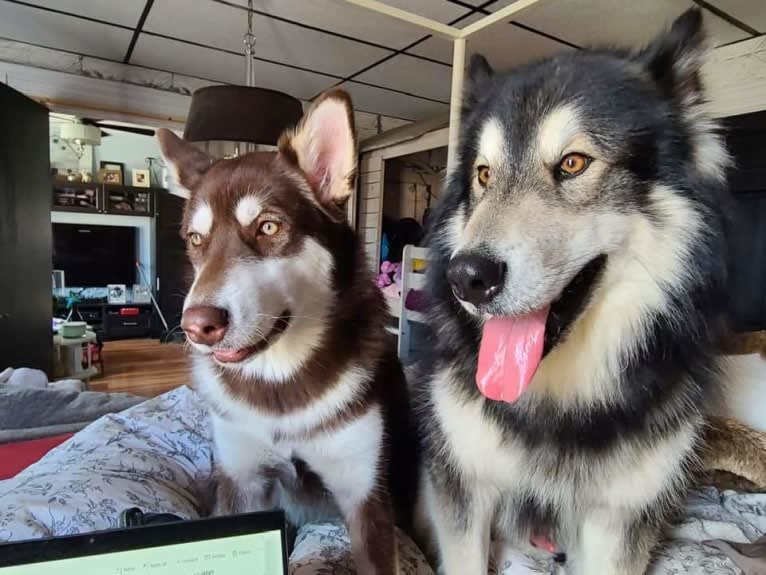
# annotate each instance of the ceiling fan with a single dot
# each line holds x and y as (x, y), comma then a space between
(119, 127)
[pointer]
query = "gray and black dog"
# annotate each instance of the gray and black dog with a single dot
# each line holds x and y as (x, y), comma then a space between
(579, 280)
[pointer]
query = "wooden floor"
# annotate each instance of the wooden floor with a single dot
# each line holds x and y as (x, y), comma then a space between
(143, 367)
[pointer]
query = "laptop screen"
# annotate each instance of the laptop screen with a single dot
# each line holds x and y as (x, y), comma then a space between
(255, 554)
(251, 544)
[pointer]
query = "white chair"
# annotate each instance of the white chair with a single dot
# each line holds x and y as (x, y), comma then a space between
(413, 277)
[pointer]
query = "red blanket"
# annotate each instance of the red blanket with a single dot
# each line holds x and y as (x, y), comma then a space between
(17, 456)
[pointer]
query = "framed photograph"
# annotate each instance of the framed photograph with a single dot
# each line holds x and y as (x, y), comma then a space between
(140, 178)
(141, 294)
(104, 165)
(110, 172)
(117, 293)
(110, 176)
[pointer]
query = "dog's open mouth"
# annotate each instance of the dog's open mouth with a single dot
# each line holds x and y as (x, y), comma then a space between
(513, 347)
(237, 355)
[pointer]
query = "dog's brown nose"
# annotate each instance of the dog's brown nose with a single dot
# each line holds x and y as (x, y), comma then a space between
(205, 324)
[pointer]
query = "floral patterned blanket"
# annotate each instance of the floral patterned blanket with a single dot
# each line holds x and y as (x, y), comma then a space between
(157, 456)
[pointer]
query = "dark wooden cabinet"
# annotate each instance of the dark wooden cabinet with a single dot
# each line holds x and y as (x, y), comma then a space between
(109, 320)
(125, 200)
(26, 305)
(118, 326)
(77, 197)
(95, 198)
(174, 272)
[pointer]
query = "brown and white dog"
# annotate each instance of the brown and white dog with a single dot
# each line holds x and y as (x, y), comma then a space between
(288, 333)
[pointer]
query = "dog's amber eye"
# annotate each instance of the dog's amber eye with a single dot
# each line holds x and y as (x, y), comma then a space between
(269, 228)
(574, 164)
(482, 173)
(195, 239)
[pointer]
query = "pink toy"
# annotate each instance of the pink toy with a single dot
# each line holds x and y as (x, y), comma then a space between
(383, 280)
(389, 273)
(392, 291)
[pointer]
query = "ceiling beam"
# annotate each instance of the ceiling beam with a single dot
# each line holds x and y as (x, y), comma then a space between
(139, 28)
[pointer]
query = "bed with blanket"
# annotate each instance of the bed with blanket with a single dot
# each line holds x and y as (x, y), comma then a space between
(157, 456)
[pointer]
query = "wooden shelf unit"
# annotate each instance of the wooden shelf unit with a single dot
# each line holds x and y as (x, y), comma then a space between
(97, 198)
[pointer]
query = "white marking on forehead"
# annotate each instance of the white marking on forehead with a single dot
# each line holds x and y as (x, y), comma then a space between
(492, 142)
(248, 208)
(202, 219)
(557, 130)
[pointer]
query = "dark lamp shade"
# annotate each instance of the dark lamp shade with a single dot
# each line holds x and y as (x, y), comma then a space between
(240, 114)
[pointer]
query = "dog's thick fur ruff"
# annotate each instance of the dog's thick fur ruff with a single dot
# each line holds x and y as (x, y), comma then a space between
(630, 256)
(316, 419)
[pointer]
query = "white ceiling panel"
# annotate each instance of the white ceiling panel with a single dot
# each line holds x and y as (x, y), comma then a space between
(751, 12)
(504, 45)
(223, 26)
(206, 63)
(594, 22)
(379, 101)
(123, 12)
(469, 19)
(440, 10)
(411, 75)
(494, 7)
(439, 48)
(721, 31)
(508, 46)
(27, 24)
(343, 18)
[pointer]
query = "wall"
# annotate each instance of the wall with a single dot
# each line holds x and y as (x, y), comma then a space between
(745, 390)
(62, 156)
(128, 149)
(116, 146)
(122, 147)
(369, 205)
(146, 234)
(373, 164)
(407, 182)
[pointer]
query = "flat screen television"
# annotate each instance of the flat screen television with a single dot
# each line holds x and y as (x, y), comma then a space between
(95, 256)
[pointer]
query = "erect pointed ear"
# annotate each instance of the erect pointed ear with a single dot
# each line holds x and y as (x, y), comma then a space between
(479, 72)
(675, 57)
(187, 162)
(479, 69)
(323, 146)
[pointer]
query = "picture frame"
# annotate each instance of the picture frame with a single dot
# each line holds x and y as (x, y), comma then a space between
(117, 293)
(105, 165)
(111, 167)
(141, 294)
(141, 178)
(110, 176)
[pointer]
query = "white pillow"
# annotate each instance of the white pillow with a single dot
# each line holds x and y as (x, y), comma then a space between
(746, 390)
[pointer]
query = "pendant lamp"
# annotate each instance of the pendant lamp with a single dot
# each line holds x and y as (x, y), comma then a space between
(241, 113)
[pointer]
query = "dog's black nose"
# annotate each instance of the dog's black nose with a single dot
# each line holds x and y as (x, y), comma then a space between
(476, 278)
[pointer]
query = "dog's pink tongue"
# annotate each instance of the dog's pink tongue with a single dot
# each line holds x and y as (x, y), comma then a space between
(511, 350)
